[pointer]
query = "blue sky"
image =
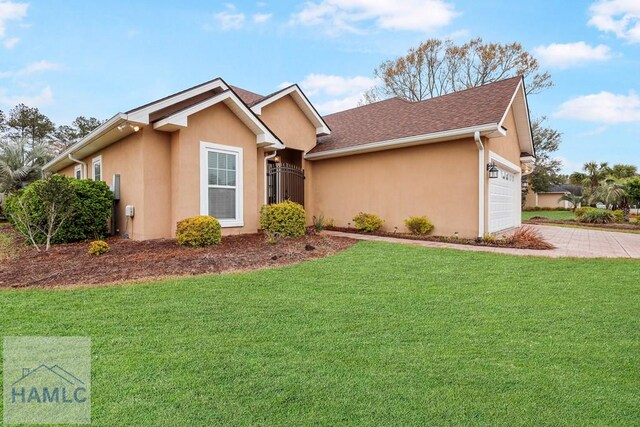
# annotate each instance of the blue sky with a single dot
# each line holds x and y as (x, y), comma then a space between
(97, 58)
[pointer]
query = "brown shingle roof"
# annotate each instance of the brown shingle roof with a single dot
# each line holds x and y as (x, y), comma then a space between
(396, 118)
(247, 96)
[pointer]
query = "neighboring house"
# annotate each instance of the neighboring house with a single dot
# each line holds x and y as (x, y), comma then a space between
(219, 150)
(551, 198)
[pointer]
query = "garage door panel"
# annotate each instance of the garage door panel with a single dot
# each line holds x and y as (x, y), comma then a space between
(503, 201)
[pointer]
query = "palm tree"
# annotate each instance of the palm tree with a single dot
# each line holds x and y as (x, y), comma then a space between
(613, 194)
(21, 164)
(573, 199)
(596, 173)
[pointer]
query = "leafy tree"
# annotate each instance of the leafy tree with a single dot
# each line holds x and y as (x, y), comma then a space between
(42, 209)
(546, 141)
(632, 186)
(19, 164)
(623, 171)
(67, 135)
(29, 124)
(437, 67)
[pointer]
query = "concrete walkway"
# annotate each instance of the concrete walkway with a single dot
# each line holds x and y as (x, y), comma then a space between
(569, 242)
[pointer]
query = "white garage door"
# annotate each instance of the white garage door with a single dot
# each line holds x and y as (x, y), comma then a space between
(503, 201)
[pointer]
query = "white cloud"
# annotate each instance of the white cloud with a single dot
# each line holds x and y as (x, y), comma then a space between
(621, 17)
(565, 55)
(351, 15)
(333, 93)
(10, 43)
(230, 19)
(260, 18)
(34, 67)
(11, 11)
(44, 97)
(603, 107)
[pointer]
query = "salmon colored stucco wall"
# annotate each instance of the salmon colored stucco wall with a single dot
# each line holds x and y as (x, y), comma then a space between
(125, 158)
(218, 125)
(437, 180)
(286, 120)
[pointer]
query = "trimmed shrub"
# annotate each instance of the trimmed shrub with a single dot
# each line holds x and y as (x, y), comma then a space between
(418, 225)
(597, 216)
(367, 222)
(91, 207)
(98, 247)
(286, 219)
(619, 215)
(199, 231)
(581, 211)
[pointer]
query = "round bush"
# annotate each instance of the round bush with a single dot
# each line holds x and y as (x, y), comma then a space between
(418, 225)
(367, 222)
(98, 247)
(91, 207)
(199, 231)
(286, 219)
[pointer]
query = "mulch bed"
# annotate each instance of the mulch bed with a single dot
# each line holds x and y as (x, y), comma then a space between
(616, 226)
(69, 264)
(497, 242)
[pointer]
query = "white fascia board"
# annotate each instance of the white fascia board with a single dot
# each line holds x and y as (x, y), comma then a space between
(527, 159)
(180, 119)
(407, 141)
(303, 103)
(141, 115)
(113, 122)
(520, 89)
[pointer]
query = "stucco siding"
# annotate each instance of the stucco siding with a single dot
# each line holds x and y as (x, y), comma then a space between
(437, 180)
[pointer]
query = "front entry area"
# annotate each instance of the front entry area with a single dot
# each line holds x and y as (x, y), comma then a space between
(285, 177)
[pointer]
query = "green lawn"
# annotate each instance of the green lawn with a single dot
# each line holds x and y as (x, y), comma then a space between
(548, 214)
(380, 334)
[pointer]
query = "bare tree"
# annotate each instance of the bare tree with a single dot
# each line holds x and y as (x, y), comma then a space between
(438, 67)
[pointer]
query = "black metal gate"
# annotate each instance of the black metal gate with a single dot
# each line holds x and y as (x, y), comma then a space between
(285, 182)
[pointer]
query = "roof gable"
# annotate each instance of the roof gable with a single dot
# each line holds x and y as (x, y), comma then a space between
(303, 103)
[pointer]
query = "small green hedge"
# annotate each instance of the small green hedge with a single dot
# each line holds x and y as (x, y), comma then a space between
(418, 225)
(98, 247)
(367, 222)
(92, 203)
(286, 219)
(199, 231)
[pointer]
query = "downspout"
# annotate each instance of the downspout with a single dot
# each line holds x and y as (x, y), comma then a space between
(266, 160)
(476, 137)
(83, 164)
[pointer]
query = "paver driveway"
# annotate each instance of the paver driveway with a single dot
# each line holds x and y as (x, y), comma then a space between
(569, 242)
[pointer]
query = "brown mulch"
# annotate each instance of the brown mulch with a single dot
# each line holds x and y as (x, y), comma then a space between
(513, 241)
(614, 226)
(69, 264)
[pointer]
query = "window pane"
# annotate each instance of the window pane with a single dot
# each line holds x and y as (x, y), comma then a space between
(213, 177)
(231, 178)
(97, 173)
(222, 203)
(231, 162)
(221, 160)
(222, 177)
(213, 159)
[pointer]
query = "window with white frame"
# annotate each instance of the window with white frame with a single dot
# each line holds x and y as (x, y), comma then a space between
(77, 171)
(221, 183)
(96, 169)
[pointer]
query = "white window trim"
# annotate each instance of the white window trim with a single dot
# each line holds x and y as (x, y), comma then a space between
(206, 147)
(94, 161)
(76, 169)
